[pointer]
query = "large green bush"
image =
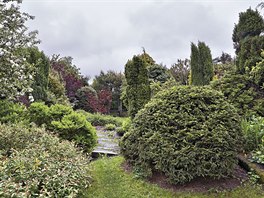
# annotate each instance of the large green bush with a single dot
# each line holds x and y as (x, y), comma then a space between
(11, 112)
(34, 163)
(38, 113)
(57, 111)
(242, 92)
(74, 126)
(63, 120)
(184, 132)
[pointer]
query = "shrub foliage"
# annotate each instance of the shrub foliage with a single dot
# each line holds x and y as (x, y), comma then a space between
(184, 132)
(138, 88)
(34, 163)
(63, 120)
(75, 127)
(11, 112)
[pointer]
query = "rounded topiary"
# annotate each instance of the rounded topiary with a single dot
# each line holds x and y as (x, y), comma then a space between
(184, 132)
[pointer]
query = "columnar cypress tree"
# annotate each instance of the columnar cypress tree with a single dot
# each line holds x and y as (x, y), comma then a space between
(138, 88)
(196, 74)
(201, 64)
(206, 62)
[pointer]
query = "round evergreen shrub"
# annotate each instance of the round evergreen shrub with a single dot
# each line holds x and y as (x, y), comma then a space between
(185, 132)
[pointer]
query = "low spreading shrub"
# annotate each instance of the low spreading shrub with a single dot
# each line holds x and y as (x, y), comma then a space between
(258, 156)
(126, 124)
(57, 111)
(38, 113)
(34, 163)
(11, 112)
(125, 127)
(63, 120)
(110, 127)
(185, 132)
(101, 120)
(253, 130)
(74, 126)
(120, 131)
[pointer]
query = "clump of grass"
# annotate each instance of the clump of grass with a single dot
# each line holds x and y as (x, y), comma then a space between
(110, 127)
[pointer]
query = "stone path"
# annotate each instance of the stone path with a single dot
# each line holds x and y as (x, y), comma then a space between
(107, 143)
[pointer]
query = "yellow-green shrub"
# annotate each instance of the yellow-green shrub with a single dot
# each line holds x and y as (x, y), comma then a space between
(74, 126)
(11, 112)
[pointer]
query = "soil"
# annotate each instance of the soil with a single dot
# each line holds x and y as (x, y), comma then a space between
(199, 184)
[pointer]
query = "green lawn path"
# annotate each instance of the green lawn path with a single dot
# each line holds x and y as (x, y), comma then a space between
(110, 181)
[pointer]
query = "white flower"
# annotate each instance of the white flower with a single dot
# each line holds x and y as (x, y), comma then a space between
(31, 98)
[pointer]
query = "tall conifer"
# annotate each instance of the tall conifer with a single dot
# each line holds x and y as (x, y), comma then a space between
(201, 64)
(138, 88)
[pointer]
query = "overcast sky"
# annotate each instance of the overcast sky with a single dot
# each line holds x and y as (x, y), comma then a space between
(103, 35)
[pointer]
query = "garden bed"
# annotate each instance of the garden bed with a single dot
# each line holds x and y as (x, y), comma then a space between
(112, 178)
(251, 166)
(199, 184)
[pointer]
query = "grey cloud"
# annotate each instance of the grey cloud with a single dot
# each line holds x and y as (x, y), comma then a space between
(103, 35)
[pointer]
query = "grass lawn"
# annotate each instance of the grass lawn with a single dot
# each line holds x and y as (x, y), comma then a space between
(110, 181)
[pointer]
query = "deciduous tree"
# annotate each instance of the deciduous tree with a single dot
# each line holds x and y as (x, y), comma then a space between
(15, 72)
(180, 71)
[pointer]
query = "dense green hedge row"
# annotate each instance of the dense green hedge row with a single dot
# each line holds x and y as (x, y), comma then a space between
(185, 132)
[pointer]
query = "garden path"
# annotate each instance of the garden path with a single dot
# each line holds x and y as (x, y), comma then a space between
(107, 142)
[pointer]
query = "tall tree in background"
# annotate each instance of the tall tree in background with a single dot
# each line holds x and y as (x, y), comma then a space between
(110, 81)
(180, 71)
(202, 71)
(250, 24)
(138, 88)
(247, 39)
(87, 99)
(158, 73)
(147, 58)
(15, 72)
(41, 79)
(249, 54)
(70, 74)
(56, 89)
(225, 58)
(244, 86)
